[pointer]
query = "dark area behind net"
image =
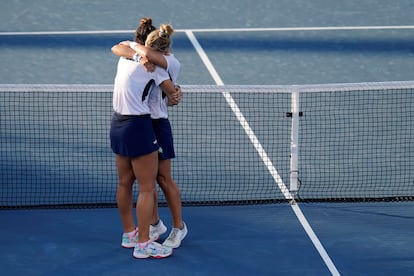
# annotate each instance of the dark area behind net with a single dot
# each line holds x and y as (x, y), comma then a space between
(355, 144)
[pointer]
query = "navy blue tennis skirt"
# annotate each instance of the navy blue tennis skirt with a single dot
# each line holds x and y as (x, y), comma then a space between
(163, 132)
(132, 135)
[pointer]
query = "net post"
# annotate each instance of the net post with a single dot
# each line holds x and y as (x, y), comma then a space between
(294, 142)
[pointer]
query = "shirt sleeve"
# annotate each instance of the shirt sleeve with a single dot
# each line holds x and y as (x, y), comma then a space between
(160, 75)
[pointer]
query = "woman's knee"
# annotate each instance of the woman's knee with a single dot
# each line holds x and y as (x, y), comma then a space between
(126, 180)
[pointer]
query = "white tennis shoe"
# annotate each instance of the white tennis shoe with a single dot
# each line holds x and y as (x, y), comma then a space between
(151, 249)
(176, 237)
(157, 230)
(129, 241)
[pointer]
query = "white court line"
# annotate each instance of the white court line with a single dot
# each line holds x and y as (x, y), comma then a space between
(305, 224)
(338, 28)
(284, 29)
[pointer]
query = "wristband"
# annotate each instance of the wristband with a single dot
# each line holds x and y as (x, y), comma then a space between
(136, 57)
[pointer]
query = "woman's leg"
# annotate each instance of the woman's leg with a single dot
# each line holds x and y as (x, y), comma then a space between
(155, 215)
(124, 192)
(145, 169)
(171, 192)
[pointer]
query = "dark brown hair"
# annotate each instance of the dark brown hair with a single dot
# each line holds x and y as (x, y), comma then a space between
(143, 30)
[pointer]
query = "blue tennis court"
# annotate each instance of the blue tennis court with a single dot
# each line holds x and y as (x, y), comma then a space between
(361, 239)
(219, 42)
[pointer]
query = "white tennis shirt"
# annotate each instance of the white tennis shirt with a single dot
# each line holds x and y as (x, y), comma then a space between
(130, 95)
(159, 104)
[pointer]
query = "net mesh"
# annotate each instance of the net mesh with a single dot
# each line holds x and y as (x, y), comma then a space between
(232, 144)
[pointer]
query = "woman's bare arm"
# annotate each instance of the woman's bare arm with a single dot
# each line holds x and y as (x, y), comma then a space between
(123, 50)
(152, 55)
(174, 94)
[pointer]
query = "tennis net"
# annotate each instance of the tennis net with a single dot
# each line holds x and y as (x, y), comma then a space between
(247, 144)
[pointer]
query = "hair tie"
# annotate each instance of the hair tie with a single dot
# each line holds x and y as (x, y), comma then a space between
(162, 34)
